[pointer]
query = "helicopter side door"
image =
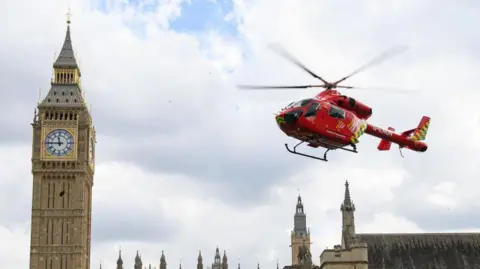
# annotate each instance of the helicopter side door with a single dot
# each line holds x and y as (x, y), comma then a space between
(336, 122)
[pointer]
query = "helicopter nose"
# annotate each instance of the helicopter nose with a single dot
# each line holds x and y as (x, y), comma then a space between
(291, 117)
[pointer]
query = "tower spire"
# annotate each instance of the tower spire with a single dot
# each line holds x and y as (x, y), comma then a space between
(119, 260)
(163, 261)
(69, 16)
(224, 260)
(347, 200)
(348, 219)
(65, 90)
(300, 219)
(300, 235)
(200, 260)
(66, 57)
(217, 257)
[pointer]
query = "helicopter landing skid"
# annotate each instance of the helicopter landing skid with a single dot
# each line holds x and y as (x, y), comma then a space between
(294, 151)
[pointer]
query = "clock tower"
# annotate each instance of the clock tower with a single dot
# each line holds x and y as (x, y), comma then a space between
(63, 165)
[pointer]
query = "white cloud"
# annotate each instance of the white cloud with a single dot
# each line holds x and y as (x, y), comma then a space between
(161, 90)
(387, 223)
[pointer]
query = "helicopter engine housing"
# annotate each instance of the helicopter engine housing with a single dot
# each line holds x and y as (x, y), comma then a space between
(360, 109)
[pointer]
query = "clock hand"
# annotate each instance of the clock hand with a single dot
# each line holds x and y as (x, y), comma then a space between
(59, 141)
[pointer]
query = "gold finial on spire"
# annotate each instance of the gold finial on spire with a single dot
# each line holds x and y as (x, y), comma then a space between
(69, 16)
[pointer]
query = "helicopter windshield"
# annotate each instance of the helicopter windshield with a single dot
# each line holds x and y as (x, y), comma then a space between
(300, 103)
(312, 109)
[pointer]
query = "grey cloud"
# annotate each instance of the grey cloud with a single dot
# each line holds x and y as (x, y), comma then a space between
(246, 175)
(16, 198)
(113, 224)
(446, 219)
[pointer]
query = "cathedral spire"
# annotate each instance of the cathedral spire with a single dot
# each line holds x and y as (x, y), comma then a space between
(348, 219)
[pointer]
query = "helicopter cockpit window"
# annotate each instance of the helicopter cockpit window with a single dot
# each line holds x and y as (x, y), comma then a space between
(336, 112)
(312, 109)
(301, 103)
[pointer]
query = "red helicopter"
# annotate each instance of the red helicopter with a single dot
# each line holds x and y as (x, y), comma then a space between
(335, 121)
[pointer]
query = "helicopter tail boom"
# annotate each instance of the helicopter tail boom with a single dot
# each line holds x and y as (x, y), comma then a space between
(411, 139)
(384, 143)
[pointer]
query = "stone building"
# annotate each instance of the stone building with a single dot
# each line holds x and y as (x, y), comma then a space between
(399, 251)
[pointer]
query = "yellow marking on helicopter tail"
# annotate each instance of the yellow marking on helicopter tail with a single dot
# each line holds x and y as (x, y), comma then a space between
(421, 131)
(360, 131)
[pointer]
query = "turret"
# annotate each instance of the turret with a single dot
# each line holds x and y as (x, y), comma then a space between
(224, 260)
(199, 260)
(216, 260)
(351, 253)
(138, 262)
(119, 260)
(300, 234)
(163, 262)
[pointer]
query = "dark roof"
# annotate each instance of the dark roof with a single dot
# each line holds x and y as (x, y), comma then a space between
(298, 266)
(428, 250)
(62, 95)
(66, 58)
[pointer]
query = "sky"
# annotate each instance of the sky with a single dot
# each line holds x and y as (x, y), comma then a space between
(187, 162)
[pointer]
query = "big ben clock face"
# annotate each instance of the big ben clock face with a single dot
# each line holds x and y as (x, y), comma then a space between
(59, 142)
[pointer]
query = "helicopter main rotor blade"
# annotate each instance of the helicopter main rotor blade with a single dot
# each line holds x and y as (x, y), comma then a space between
(394, 90)
(253, 87)
(376, 61)
(282, 52)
